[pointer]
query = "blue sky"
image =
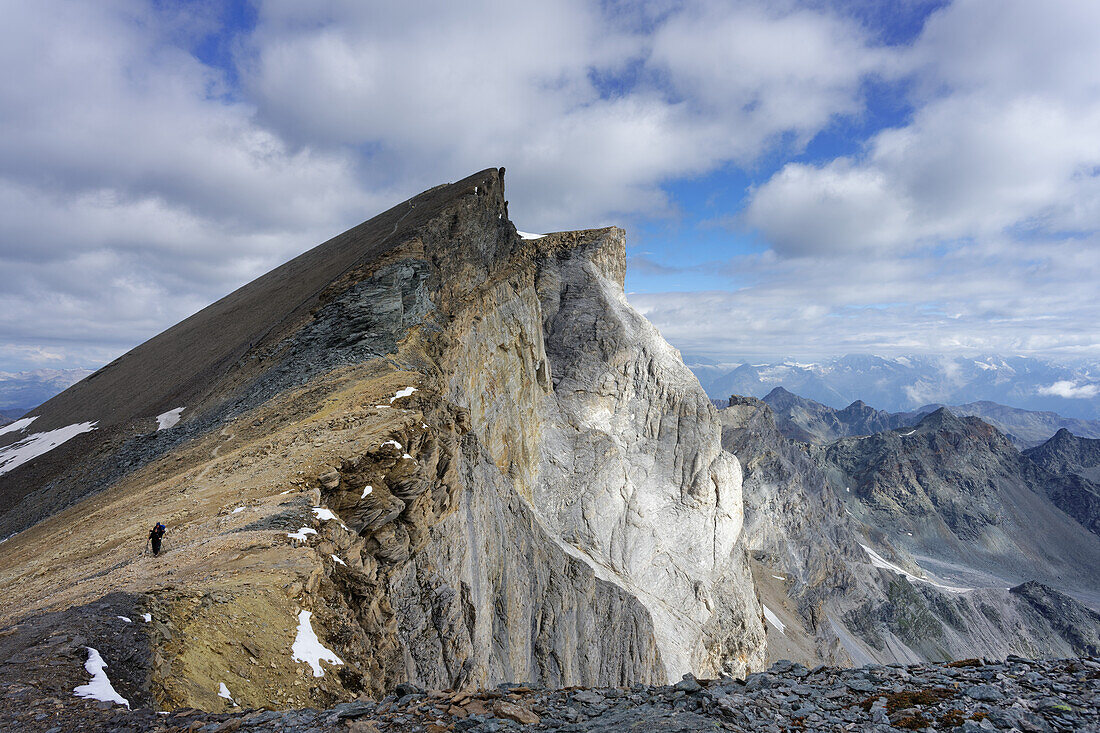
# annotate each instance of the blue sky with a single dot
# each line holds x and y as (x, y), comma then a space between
(797, 179)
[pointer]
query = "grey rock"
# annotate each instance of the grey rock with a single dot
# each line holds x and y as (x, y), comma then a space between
(987, 693)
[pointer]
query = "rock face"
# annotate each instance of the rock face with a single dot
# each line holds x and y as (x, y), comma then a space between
(961, 493)
(808, 421)
(812, 422)
(460, 450)
(1076, 461)
(846, 581)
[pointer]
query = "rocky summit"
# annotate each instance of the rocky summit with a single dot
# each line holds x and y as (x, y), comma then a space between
(437, 474)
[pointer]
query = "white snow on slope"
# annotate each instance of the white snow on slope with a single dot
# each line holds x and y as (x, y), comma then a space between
(339, 560)
(880, 562)
(394, 443)
(147, 617)
(327, 515)
(774, 621)
(529, 235)
(307, 647)
(223, 691)
(20, 424)
(16, 454)
(402, 393)
(125, 619)
(366, 490)
(169, 419)
(237, 510)
(302, 534)
(100, 687)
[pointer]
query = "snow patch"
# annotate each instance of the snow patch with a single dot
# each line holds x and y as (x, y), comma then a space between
(307, 647)
(238, 510)
(147, 617)
(779, 577)
(100, 687)
(169, 419)
(223, 691)
(905, 434)
(18, 425)
(336, 559)
(302, 534)
(324, 514)
(402, 393)
(774, 621)
(529, 235)
(16, 454)
(366, 490)
(394, 443)
(879, 561)
(125, 619)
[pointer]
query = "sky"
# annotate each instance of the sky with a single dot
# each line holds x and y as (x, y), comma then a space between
(797, 179)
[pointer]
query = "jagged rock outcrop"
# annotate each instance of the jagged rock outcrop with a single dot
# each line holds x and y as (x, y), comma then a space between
(957, 490)
(808, 421)
(1076, 461)
(460, 450)
(798, 418)
(843, 587)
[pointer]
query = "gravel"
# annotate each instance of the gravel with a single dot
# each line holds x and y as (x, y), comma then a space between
(968, 695)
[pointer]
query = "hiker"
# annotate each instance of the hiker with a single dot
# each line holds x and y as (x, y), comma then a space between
(155, 535)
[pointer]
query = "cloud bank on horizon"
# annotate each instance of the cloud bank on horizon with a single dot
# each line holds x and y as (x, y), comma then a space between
(797, 178)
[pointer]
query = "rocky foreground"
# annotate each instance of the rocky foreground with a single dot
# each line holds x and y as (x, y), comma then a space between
(967, 695)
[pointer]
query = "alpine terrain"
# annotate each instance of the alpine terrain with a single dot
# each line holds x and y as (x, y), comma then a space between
(437, 474)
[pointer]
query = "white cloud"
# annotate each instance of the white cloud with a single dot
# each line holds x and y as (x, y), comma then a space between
(138, 183)
(1071, 390)
(527, 86)
(1003, 138)
(1013, 298)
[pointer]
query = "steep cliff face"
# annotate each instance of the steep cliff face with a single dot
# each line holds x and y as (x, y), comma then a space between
(633, 474)
(460, 450)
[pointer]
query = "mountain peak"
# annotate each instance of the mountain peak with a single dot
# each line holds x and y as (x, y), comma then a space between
(941, 419)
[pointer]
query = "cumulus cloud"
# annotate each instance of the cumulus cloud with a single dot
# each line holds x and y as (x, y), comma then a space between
(589, 114)
(1010, 298)
(1002, 138)
(138, 183)
(1071, 390)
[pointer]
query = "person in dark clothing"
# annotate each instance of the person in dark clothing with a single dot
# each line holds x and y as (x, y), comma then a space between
(155, 536)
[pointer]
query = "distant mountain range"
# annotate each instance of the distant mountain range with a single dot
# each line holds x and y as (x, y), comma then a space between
(21, 391)
(809, 421)
(906, 383)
